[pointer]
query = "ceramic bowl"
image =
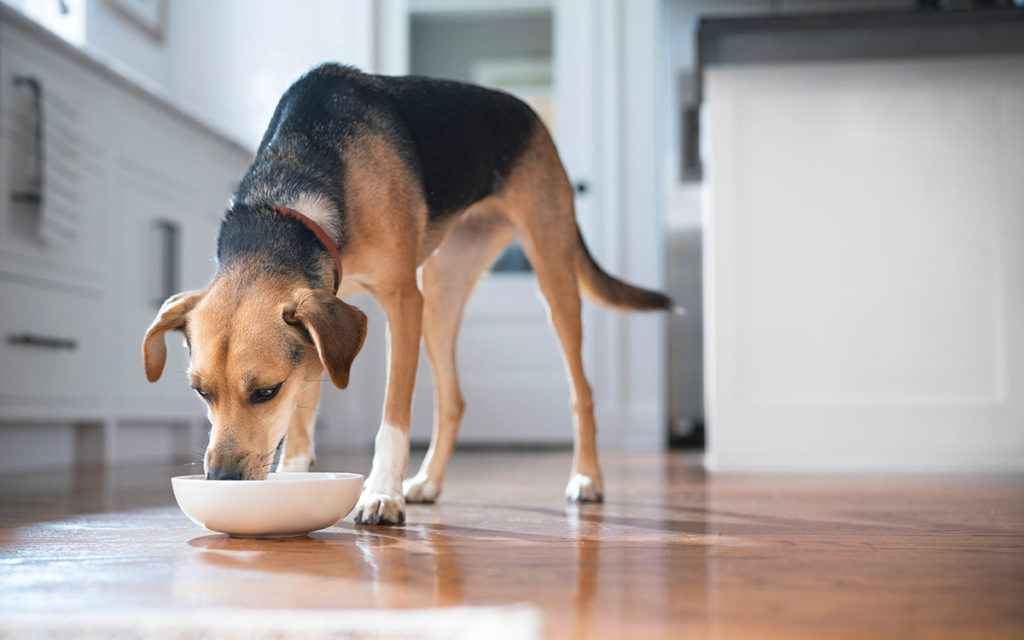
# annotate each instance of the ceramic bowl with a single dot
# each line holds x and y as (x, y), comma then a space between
(285, 504)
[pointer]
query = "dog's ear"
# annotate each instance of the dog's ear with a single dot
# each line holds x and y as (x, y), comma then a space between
(170, 317)
(337, 329)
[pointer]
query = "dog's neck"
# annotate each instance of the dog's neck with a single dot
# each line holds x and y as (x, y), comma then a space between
(319, 210)
(258, 231)
(321, 235)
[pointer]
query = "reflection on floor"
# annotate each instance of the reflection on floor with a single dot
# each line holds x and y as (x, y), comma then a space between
(672, 553)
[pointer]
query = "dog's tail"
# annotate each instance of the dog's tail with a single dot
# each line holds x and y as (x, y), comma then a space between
(612, 292)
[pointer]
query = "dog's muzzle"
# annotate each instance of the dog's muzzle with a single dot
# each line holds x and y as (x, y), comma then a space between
(224, 473)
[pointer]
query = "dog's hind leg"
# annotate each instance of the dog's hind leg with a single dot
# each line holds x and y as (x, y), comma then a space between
(540, 200)
(299, 452)
(448, 279)
(557, 278)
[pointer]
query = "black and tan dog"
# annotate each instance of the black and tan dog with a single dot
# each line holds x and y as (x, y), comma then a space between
(359, 182)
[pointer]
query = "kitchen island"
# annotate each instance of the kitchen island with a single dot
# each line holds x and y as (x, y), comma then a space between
(864, 241)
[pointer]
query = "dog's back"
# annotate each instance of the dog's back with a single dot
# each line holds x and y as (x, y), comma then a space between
(466, 137)
(460, 140)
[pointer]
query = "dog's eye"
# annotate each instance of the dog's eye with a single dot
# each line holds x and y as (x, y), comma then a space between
(262, 395)
(203, 394)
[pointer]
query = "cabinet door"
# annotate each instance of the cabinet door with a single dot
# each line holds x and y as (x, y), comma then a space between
(153, 231)
(52, 350)
(53, 152)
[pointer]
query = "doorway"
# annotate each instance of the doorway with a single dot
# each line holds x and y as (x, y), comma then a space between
(510, 364)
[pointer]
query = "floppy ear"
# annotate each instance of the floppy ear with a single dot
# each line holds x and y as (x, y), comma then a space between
(170, 317)
(336, 329)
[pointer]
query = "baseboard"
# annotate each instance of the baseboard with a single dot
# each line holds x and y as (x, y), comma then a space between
(880, 464)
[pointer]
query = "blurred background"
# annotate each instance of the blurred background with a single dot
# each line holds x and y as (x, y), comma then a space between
(832, 189)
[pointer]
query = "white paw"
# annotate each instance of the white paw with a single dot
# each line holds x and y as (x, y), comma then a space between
(295, 463)
(583, 488)
(380, 508)
(420, 489)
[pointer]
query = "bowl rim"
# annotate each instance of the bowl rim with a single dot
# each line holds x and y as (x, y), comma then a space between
(298, 476)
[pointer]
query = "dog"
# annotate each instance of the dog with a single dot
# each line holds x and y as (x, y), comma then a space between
(360, 183)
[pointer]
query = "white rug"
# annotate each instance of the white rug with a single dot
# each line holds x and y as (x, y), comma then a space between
(516, 622)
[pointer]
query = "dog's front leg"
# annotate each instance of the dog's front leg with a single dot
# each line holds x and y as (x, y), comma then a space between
(299, 452)
(382, 501)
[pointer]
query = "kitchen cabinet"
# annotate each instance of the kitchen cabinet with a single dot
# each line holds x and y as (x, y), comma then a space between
(110, 198)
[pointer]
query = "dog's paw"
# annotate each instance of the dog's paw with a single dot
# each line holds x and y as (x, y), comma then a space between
(420, 489)
(380, 508)
(295, 463)
(583, 488)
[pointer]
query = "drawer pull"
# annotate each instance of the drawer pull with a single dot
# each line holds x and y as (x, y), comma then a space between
(36, 340)
(34, 194)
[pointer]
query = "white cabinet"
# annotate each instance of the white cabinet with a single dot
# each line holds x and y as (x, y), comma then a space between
(151, 239)
(51, 347)
(864, 272)
(132, 192)
(51, 117)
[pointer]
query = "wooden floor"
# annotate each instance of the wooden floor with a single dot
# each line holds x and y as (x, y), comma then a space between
(673, 553)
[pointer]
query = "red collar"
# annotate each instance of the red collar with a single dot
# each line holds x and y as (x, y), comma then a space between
(321, 235)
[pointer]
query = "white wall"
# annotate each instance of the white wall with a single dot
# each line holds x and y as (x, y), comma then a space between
(232, 59)
(865, 265)
(237, 57)
(111, 33)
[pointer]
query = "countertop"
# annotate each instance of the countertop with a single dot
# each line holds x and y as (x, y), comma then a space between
(889, 34)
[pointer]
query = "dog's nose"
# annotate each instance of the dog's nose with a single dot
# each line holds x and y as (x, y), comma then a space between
(224, 473)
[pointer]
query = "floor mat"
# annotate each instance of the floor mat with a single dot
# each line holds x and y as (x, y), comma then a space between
(457, 623)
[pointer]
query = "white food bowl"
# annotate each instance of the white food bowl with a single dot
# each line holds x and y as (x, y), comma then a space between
(285, 504)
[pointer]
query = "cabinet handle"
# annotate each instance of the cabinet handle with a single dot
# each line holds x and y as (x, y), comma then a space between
(34, 194)
(36, 340)
(170, 250)
(693, 168)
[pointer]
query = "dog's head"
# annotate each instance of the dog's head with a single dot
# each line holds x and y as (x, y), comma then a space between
(254, 346)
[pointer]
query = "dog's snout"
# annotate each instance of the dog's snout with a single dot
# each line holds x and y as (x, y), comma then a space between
(224, 473)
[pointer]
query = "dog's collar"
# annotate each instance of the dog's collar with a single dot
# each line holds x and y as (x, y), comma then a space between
(321, 235)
